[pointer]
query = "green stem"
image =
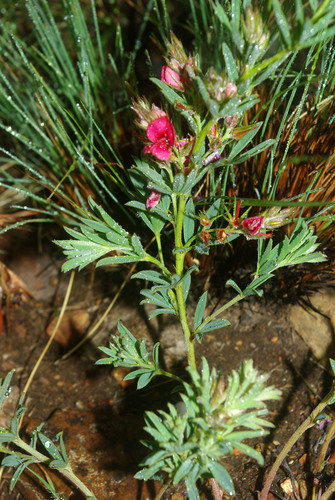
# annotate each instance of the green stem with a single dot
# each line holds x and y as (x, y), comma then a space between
(309, 422)
(180, 257)
(66, 471)
(159, 247)
(170, 375)
(203, 134)
(149, 258)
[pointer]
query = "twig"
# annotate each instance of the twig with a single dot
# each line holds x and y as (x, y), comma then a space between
(215, 489)
(32, 374)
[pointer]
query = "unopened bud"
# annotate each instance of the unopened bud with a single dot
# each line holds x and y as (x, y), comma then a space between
(221, 236)
(205, 221)
(205, 236)
(230, 90)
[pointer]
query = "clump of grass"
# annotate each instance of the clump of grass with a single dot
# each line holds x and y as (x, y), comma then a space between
(64, 107)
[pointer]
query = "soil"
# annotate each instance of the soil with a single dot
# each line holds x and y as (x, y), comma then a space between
(101, 416)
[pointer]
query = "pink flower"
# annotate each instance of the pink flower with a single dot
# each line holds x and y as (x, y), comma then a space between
(162, 135)
(230, 90)
(253, 224)
(153, 199)
(172, 78)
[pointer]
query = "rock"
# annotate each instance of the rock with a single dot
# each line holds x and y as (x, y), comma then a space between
(316, 325)
(71, 328)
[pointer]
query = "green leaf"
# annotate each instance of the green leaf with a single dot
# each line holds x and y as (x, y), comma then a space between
(213, 210)
(62, 447)
(5, 386)
(6, 436)
(222, 476)
(50, 447)
(282, 23)
(250, 452)
(144, 379)
(153, 276)
(192, 490)
(254, 151)
(230, 63)
(235, 286)
(215, 324)
(221, 15)
(183, 470)
(332, 365)
(200, 310)
(172, 96)
(11, 461)
(24, 464)
(106, 218)
(159, 311)
(146, 474)
(136, 242)
(156, 179)
(123, 259)
(178, 183)
(235, 13)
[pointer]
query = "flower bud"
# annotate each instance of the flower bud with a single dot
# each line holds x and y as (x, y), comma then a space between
(205, 236)
(172, 78)
(221, 236)
(230, 90)
(252, 225)
(153, 199)
(205, 221)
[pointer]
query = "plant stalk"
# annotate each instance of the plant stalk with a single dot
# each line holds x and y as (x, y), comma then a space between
(66, 471)
(309, 422)
(180, 257)
(321, 458)
(220, 310)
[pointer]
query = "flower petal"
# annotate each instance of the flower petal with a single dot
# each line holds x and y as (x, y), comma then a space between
(161, 128)
(160, 150)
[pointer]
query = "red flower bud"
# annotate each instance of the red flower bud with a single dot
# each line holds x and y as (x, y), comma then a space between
(172, 78)
(253, 224)
(205, 236)
(153, 199)
(221, 236)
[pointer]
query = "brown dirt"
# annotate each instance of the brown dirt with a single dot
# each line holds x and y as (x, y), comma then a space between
(102, 417)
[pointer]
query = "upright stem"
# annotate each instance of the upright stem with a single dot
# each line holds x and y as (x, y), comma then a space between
(309, 422)
(180, 257)
(159, 247)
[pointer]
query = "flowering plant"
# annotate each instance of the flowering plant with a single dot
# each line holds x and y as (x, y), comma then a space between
(198, 131)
